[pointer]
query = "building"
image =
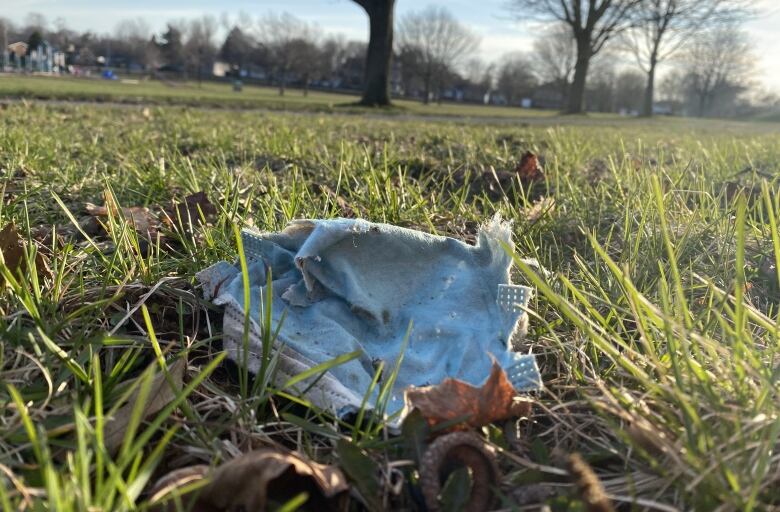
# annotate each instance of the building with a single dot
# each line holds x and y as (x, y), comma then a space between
(18, 49)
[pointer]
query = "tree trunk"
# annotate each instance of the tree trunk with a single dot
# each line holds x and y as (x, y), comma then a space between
(702, 102)
(306, 85)
(380, 51)
(427, 93)
(282, 82)
(577, 90)
(647, 106)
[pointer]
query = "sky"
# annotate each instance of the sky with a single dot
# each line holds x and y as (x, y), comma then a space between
(488, 18)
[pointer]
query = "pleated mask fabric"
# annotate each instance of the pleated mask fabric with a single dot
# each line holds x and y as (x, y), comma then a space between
(344, 285)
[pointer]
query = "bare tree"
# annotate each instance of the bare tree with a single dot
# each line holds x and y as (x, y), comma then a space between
(665, 26)
(237, 49)
(672, 87)
(171, 47)
(592, 23)
(379, 55)
(343, 62)
(442, 42)
(600, 92)
(410, 64)
(554, 56)
(480, 73)
(629, 85)
(134, 35)
(290, 42)
(200, 49)
(515, 77)
(5, 28)
(337, 53)
(307, 61)
(717, 62)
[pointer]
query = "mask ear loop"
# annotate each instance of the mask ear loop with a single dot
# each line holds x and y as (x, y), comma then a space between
(524, 374)
(252, 245)
(512, 300)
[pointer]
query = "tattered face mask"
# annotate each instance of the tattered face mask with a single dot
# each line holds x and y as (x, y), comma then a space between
(349, 285)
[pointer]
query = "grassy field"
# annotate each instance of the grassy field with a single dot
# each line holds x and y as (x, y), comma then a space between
(221, 95)
(656, 326)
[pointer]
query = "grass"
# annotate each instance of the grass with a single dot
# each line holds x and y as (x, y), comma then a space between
(656, 328)
(221, 95)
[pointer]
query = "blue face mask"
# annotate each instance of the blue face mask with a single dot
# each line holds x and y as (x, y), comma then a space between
(349, 285)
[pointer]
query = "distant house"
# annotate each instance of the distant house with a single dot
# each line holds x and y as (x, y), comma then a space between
(19, 49)
(41, 58)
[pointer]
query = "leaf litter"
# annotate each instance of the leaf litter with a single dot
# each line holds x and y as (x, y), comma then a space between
(12, 251)
(257, 480)
(162, 391)
(455, 409)
(151, 223)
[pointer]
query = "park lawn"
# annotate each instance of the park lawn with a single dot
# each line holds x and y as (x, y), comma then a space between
(221, 95)
(655, 326)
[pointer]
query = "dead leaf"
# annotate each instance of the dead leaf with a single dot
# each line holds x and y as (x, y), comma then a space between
(254, 481)
(188, 213)
(160, 395)
(529, 170)
(12, 248)
(141, 218)
(48, 236)
(539, 208)
(346, 210)
(454, 399)
(751, 191)
(500, 183)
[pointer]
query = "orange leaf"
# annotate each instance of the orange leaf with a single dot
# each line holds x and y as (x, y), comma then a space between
(454, 399)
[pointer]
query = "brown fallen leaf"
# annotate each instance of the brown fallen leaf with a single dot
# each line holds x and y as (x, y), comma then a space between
(140, 217)
(47, 236)
(499, 183)
(254, 481)
(12, 248)
(751, 191)
(529, 170)
(160, 394)
(454, 399)
(539, 208)
(188, 212)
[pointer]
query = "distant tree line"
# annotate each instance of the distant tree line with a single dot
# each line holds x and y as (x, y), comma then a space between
(595, 55)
